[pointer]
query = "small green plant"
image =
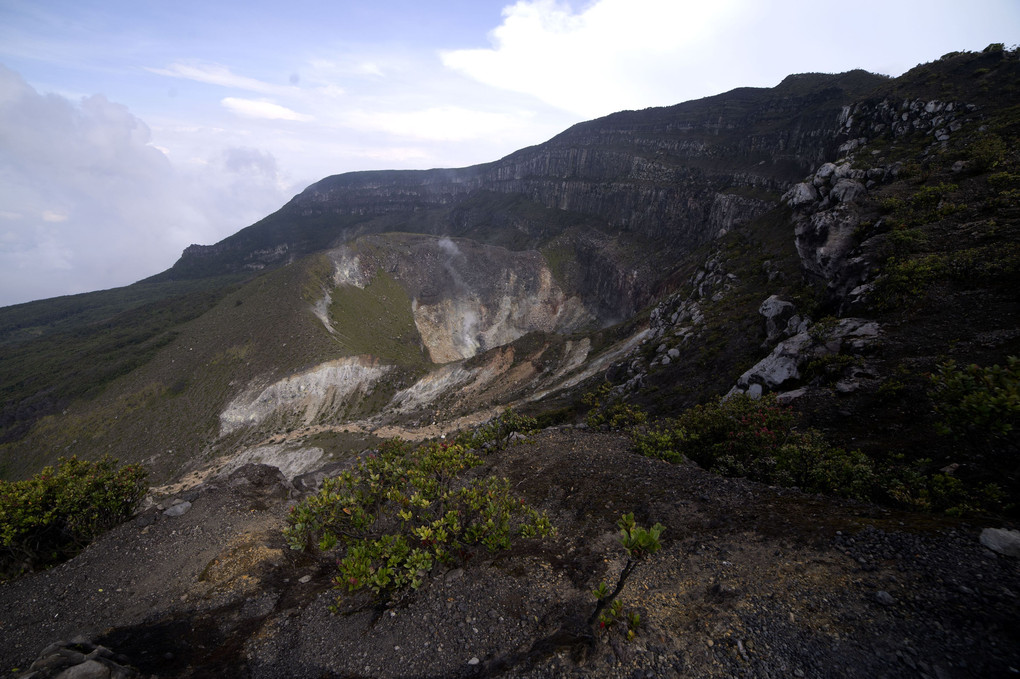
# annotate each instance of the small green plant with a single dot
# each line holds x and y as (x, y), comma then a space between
(662, 440)
(633, 622)
(610, 411)
(974, 400)
(52, 516)
(402, 512)
(741, 436)
(497, 431)
(640, 543)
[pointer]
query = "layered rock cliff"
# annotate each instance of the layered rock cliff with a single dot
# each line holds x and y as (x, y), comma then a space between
(674, 177)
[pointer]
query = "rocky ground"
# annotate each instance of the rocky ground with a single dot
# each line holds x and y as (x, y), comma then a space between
(751, 581)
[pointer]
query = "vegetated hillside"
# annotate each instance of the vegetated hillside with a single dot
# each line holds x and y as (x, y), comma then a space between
(877, 214)
(838, 256)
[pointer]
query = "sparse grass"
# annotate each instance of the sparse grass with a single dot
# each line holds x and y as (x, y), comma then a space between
(377, 320)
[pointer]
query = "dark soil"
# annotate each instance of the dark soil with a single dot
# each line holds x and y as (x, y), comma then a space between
(751, 581)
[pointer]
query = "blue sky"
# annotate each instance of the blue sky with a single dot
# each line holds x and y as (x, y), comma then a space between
(129, 130)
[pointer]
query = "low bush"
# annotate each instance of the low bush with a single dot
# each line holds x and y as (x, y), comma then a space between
(610, 411)
(741, 436)
(497, 431)
(52, 516)
(922, 486)
(976, 401)
(757, 440)
(401, 512)
(640, 542)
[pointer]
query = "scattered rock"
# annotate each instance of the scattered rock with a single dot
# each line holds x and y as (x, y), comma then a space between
(177, 509)
(800, 195)
(1002, 541)
(77, 659)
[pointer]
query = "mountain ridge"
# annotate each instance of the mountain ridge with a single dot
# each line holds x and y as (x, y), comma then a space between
(620, 210)
(814, 292)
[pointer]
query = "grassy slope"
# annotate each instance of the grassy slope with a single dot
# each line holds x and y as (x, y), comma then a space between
(172, 401)
(58, 350)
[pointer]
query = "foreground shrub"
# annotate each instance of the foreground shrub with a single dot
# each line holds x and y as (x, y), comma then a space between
(640, 543)
(976, 401)
(609, 410)
(52, 516)
(741, 436)
(401, 513)
(496, 432)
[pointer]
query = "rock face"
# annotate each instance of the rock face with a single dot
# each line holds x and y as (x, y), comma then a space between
(850, 336)
(677, 176)
(309, 396)
(827, 220)
(466, 297)
(781, 319)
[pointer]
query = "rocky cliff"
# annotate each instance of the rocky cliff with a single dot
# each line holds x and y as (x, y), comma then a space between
(674, 176)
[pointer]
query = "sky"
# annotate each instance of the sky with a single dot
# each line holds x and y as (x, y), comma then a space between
(131, 129)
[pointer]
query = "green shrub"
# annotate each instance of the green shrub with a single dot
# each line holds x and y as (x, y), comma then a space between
(905, 280)
(640, 543)
(741, 436)
(662, 440)
(401, 513)
(498, 430)
(52, 516)
(730, 433)
(610, 411)
(918, 486)
(976, 401)
(988, 152)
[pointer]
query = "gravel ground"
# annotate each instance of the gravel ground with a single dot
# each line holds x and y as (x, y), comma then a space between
(751, 581)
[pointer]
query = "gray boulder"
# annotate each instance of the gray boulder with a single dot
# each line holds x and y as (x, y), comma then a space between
(800, 195)
(847, 190)
(823, 174)
(777, 313)
(1002, 541)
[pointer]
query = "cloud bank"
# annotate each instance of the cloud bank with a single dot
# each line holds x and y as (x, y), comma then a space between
(88, 202)
(599, 57)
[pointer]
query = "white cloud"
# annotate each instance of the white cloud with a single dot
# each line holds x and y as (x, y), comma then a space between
(259, 108)
(53, 217)
(89, 202)
(215, 74)
(440, 123)
(604, 56)
(609, 56)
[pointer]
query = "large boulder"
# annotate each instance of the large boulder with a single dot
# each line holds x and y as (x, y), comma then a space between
(782, 368)
(1001, 541)
(801, 195)
(781, 319)
(847, 191)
